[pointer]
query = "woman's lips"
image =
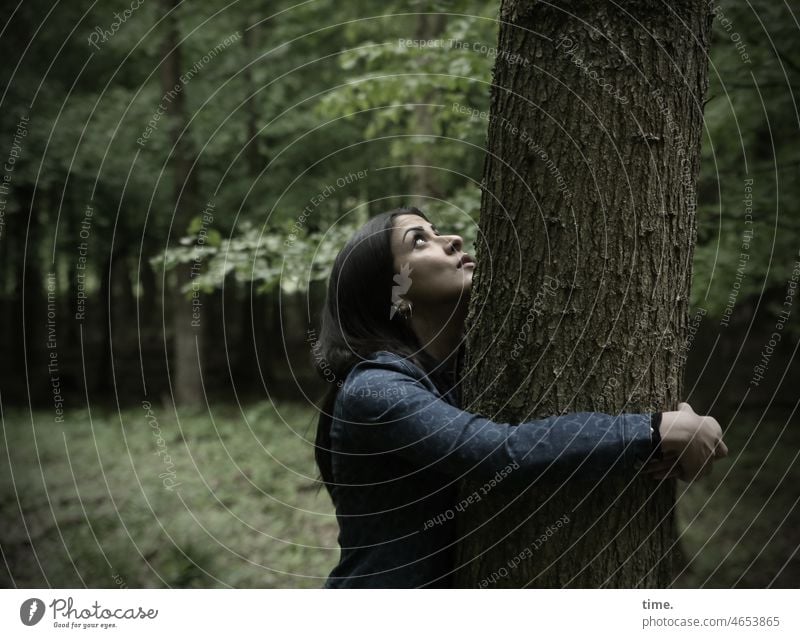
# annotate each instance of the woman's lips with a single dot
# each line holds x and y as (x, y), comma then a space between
(466, 260)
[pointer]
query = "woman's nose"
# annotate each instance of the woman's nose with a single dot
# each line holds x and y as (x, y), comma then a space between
(456, 242)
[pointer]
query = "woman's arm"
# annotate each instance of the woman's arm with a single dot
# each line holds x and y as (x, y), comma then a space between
(384, 410)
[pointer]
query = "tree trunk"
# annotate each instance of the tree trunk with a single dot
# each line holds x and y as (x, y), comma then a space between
(35, 319)
(429, 27)
(250, 302)
(186, 318)
(581, 302)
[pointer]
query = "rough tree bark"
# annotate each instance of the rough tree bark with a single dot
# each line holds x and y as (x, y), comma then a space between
(580, 302)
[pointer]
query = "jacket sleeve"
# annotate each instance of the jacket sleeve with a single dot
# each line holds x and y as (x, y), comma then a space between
(387, 411)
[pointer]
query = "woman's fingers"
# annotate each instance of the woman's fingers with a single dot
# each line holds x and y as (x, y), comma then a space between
(672, 467)
(660, 465)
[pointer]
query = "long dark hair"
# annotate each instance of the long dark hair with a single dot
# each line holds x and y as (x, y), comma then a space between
(356, 322)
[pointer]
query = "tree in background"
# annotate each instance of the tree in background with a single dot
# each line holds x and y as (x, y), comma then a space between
(581, 301)
(309, 93)
(298, 102)
(187, 333)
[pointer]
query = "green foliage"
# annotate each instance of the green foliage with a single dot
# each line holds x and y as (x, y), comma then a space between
(297, 100)
(246, 513)
(332, 112)
(750, 125)
(261, 256)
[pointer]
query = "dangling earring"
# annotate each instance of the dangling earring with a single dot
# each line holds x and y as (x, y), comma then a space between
(407, 311)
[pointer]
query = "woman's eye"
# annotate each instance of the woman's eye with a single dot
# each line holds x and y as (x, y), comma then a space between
(421, 236)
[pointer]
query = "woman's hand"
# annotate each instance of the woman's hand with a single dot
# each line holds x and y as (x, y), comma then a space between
(690, 444)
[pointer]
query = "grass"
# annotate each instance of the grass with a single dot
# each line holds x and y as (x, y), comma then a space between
(225, 499)
(243, 510)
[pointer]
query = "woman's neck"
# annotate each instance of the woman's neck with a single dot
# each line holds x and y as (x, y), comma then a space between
(441, 336)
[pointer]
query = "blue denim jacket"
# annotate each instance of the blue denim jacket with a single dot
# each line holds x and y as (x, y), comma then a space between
(400, 448)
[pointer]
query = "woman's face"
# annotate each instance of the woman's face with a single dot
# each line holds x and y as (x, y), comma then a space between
(428, 266)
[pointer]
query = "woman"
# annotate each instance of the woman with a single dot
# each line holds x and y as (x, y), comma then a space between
(392, 442)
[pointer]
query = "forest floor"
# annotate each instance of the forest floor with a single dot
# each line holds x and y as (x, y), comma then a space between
(145, 499)
(142, 498)
(740, 526)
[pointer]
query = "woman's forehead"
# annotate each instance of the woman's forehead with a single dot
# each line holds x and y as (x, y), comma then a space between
(406, 221)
